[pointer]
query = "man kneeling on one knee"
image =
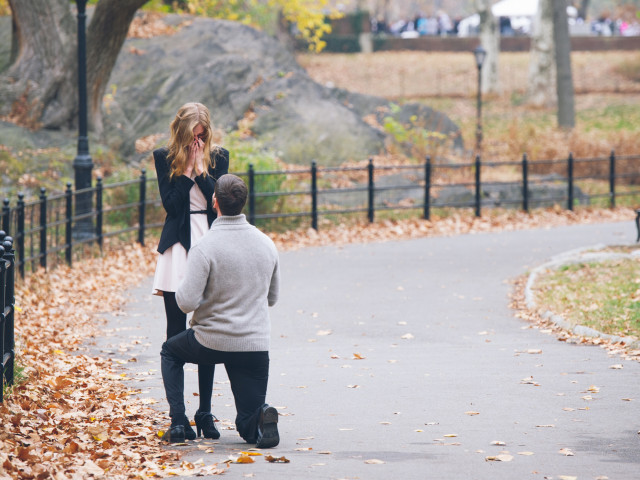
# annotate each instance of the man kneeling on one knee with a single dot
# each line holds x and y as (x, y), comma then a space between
(232, 278)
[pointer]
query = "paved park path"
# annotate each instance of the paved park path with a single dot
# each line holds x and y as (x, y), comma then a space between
(431, 318)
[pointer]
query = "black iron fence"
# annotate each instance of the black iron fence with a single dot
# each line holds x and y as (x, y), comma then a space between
(7, 305)
(45, 230)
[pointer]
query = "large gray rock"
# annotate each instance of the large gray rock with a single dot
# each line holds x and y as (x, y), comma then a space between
(234, 69)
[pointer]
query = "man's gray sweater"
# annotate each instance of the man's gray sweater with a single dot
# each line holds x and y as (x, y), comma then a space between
(232, 278)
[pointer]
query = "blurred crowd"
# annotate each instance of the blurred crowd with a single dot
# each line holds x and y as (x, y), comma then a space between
(441, 24)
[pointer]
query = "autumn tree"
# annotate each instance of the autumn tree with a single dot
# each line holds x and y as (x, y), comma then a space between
(39, 88)
(542, 64)
(490, 41)
(550, 77)
(564, 77)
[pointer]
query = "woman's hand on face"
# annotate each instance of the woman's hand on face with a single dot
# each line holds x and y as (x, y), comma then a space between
(196, 155)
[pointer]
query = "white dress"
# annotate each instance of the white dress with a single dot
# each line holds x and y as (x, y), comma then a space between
(172, 264)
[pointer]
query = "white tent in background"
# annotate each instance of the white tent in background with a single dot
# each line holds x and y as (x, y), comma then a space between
(520, 12)
(515, 8)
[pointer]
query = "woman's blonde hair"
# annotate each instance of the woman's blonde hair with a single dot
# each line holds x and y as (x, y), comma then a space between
(189, 116)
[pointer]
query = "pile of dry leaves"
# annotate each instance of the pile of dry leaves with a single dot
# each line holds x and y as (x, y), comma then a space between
(73, 416)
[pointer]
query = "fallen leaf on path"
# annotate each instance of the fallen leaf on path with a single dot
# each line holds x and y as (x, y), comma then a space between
(499, 443)
(322, 333)
(627, 399)
(472, 413)
(567, 477)
(566, 452)
(303, 449)
(499, 458)
(529, 381)
(374, 461)
(617, 366)
(525, 453)
(244, 459)
(357, 356)
(407, 336)
(550, 425)
(272, 459)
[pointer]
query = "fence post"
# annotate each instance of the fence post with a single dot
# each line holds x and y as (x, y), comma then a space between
(371, 209)
(314, 195)
(7, 307)
(478, 186)
(612, 179)
(143, 195)
(69, 217)
(252, 193)
(20, 232)
(43, 227)
(99, 212)
(6, 215)
(3, 329)
(427, 189)
(525, 183)
(570, 182)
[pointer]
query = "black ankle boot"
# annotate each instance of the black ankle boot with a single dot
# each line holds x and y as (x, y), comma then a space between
(205, 423)
(175, 434)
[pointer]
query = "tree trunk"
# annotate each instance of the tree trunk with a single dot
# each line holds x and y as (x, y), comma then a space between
(105, 36)
(583, 10)
(564, 83)
(542, 65)
(283, 33)
(14, 42)
(490, 41)
(40, 87)
(40, 84)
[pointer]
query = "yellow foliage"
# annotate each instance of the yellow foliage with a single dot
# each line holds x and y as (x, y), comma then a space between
(308, 16)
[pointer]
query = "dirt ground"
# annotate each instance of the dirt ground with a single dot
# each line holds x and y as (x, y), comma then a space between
(606, 102)
(412, 75)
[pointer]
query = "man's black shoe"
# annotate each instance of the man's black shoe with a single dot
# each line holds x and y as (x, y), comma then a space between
(175, 434)
(268, 436)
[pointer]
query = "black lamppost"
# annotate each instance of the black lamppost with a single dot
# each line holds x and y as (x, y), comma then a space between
(82, 164)
(480, 54)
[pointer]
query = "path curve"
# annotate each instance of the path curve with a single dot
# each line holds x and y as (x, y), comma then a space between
(431, 318)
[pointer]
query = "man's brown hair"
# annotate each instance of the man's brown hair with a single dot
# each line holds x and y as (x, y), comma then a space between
(231, 194)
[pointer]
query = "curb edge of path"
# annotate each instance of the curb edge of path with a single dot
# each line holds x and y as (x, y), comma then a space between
(568, 258)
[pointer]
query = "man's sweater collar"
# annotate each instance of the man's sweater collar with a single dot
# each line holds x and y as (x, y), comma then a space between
(230, 220)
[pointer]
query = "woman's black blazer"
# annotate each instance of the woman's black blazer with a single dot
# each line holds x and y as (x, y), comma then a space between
(175, 197)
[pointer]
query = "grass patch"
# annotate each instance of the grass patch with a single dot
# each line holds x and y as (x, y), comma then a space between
(601, 295)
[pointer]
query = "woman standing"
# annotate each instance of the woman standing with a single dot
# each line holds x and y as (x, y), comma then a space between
(187, 171)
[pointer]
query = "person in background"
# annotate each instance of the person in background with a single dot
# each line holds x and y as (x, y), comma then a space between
(187, 170)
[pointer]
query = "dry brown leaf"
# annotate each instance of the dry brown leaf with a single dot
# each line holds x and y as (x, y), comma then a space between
(272, 459)
(374, 461)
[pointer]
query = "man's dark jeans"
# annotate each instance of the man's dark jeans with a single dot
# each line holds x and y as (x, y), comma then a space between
(248, 373)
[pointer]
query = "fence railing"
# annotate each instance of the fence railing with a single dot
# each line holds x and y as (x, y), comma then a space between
(7, 306)
(48, 231)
